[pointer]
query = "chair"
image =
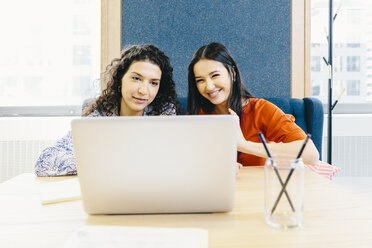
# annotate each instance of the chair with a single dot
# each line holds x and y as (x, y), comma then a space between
(308, 113)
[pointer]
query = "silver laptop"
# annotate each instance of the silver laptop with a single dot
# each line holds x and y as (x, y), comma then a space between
(157, 164)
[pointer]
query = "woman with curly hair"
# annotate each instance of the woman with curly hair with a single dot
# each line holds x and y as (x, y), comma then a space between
(140, 82)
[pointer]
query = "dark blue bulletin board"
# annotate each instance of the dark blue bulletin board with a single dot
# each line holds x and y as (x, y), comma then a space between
(258, 34)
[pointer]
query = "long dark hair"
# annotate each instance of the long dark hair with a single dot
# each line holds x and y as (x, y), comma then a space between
(110, 98)
(217, 52)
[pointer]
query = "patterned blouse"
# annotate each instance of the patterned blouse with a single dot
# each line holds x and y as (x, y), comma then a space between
(59, 160)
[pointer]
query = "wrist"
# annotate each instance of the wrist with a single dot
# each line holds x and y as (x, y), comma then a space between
(253, 148)
(245, 147)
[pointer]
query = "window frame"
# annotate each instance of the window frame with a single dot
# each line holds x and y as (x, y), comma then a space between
(110, 48)
(340, 108)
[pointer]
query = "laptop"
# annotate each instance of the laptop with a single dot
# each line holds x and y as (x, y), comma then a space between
(156, 164)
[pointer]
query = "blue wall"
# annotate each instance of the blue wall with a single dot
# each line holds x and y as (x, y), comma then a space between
(257, 32)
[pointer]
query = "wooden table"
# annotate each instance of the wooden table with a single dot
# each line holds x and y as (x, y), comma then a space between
(333, 217)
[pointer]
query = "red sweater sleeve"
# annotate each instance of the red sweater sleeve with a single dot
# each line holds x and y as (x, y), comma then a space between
(278, 126)
(262, 116)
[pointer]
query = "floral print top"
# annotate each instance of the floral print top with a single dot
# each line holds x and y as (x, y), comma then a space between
(59, 160)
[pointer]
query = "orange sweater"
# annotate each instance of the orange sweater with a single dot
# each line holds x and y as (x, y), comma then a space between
(260, 115)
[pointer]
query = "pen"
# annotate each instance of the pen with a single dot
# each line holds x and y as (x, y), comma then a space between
(290, 173)
(262, 138)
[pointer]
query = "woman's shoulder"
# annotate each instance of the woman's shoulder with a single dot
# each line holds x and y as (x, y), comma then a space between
(95, 113)
(259, 106)
(259, 101)
(255, 102)
(167, 108)
(98, 113)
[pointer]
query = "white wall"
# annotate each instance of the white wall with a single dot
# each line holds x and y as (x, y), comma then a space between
(23, 138)
(34, 128)
(351, 144)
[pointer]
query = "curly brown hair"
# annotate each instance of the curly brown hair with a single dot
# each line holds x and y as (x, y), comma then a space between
(110, 98)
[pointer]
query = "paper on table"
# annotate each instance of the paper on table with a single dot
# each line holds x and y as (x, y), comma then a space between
(60, 191)
(149, 237)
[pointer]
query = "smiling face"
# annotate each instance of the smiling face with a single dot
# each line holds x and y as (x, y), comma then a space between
(213, 82)
(139, 87)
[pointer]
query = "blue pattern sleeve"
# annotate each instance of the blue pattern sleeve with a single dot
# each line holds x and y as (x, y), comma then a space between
(169, 109)
(58, 160)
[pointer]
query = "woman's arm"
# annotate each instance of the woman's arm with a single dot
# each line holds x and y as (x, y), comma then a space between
(58, 160)
(310, 155)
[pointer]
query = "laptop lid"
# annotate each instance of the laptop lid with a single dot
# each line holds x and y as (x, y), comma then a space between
(156, 164)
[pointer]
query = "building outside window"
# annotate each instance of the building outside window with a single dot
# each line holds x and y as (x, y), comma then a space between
(337, 63)
(353, 63)
(315, 89)
(50, 56)
(352, 53)
(315, 63)
(353, 88)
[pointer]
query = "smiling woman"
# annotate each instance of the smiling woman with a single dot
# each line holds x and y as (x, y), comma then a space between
(140, 82)
(213, 82)
(215, 87)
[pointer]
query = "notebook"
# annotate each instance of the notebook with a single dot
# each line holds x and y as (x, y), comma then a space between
(62, 190)
(156, 164)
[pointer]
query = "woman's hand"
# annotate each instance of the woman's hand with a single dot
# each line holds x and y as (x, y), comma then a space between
(241, 140)
(238, 167)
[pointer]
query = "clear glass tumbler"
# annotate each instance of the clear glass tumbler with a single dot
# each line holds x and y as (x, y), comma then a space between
(284, 206)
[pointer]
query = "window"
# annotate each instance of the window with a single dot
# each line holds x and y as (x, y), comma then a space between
(50, 53)
(353, 88)
(352, 54)
(81, 25)
(337, 63)
(315, 63)
(315, 90)
(352, 45)
(353, 15)
(353, 63)
(81, 55)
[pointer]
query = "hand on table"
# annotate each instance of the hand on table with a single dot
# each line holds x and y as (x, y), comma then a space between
(241, 140)
(238, 167)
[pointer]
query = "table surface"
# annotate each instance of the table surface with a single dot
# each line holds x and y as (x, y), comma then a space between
(334, 216)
